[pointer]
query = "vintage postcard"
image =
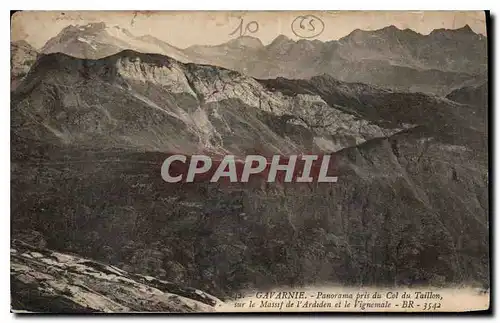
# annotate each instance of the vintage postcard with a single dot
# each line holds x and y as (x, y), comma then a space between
(323, 161)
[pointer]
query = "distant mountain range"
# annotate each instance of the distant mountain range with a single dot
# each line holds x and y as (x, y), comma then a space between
(398, 59)
(389, 57)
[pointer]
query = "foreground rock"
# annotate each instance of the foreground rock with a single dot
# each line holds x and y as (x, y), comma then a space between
(47, 281)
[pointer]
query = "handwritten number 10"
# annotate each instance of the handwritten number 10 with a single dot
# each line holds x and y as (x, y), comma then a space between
(251, 27)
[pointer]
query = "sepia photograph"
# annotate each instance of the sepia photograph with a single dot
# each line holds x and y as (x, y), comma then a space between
(249, 161)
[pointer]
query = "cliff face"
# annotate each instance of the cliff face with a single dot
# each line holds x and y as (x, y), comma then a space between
(23, 55)
(89, 137)
(150, 101)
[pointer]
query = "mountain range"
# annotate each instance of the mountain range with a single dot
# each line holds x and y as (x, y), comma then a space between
(140, 101)
(403, 60)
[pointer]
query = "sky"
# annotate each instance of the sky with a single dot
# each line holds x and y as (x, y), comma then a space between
(186, 28)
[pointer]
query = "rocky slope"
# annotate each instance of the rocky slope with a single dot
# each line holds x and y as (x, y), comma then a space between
(471, 95)
(89, 136)
(408, 210)
(150, 101)
(23, 56)
(45, 281)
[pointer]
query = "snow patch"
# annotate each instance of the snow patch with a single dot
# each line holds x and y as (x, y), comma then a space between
(83, 40)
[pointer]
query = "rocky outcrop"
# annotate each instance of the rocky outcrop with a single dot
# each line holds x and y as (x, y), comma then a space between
(23, 56)
(43, 280)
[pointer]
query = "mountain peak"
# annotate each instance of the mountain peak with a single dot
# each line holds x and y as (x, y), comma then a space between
(393, 30)
(152, 58)
(358, 34)
(90, 27)
(246, 41)
(390, 28)
(466, 29)
(280, 40)
(73, 31)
